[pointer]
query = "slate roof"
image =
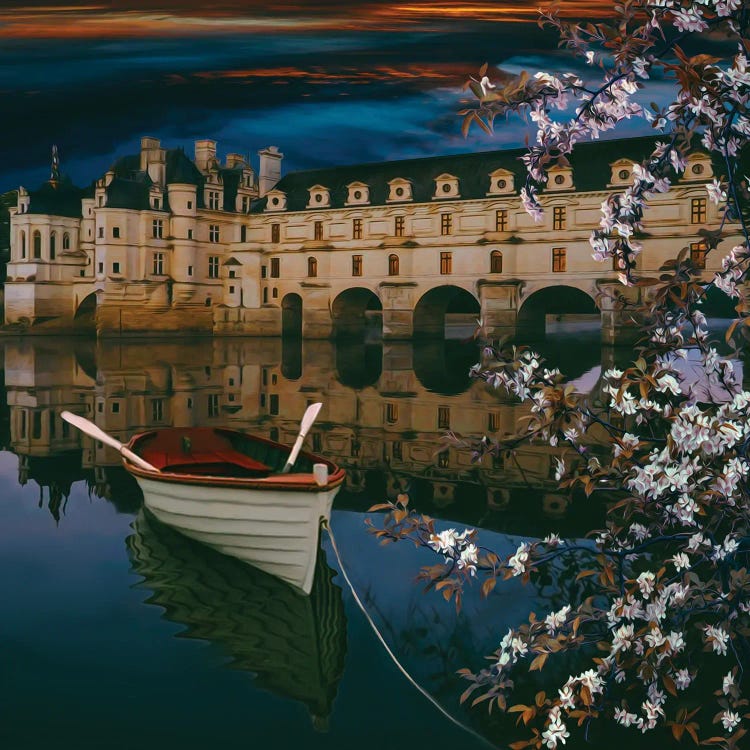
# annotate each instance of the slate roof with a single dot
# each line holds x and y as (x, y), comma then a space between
(61, 199)
(590, 163)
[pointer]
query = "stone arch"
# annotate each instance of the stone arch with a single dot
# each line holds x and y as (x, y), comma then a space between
(356, 312)
(53, 245)
(444, 308)
(359, 364)
(291, 316)
(85, 315)
(443, 366)
(552, 300)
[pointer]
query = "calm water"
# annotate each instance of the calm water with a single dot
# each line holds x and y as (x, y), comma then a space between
(117, 632)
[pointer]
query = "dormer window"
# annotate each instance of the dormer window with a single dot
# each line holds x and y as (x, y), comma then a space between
(501, 182)
(399, 190)
(358, 194)
(560, 178)
(275, 200)
(622, 173)
(698, 168)
(446, 186)
(319, 197)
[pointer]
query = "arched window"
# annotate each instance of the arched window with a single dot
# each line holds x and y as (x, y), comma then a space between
(496, 262)
(393, 265)
(66, 241)
(37, 238)
(312, 267)
(52, 245)
(22, 243)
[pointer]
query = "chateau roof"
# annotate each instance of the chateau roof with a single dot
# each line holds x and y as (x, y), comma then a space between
(57, 199)
(590, 163)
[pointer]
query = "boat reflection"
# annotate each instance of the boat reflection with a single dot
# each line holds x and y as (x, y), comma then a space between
(294, 644)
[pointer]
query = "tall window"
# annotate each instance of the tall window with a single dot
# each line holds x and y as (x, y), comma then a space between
(22, 242)
(245, 204)
(213, 404)
(444, 418)
(501, 220)
(213, 200)
(213, 233)
(213, 266)
(275, 232)
(493, 421)
(275, 268)
(157, 410)
(558, 217)
(356, 265)
(496, 262)
(698, 254)
(318, 230)
(398, 226)
(37, 240)
(446, 223)
(116, 233)
(357, 229)
(698, 211)
(393, 265)
(66, 241)
(391, 413)
(158, 264)
(52, 245)
(312, 267)
(446, 263)
(559, 259)
(243, 233)
(157, 228)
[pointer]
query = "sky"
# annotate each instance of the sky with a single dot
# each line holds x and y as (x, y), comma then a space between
(328, 82)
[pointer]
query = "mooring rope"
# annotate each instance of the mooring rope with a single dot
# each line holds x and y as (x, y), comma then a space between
(388, 650)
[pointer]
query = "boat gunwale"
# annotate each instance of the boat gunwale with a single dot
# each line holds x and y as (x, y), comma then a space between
(287, 482)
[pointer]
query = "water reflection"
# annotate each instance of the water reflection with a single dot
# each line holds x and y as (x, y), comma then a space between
(386, 408)
(294, 644)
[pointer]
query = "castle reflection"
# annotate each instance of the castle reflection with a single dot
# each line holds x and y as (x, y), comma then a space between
(386, 411)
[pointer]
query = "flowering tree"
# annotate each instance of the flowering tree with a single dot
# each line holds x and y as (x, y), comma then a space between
(664, 588)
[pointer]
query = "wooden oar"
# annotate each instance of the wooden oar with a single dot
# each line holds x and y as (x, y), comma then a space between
(84, 425)
(307, 420)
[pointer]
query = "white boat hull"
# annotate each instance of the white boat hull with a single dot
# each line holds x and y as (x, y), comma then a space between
(275, 530)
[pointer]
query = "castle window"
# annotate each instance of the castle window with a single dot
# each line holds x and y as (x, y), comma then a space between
(158, 264)
(213, 200)
(116, 267)
(66, 241)
(357, 229)
(444, 418)
(443, 459)
(101, 201)
(275, 268)
(157, 410)
(398, 226)
(52, 245)
(157, 228)
(116, 232)
(263, 272)
(245, 204)
(22, 242)
(213, 233)
(265, 295)
(100, 232)
(356, 265)
(189, 205)
(213, 266)
(275, 233)
(318, 230)
(190, 271)
(213, 405)
(446, 224)
(559, 259)
(312, 267)
(391, 413)
(275, 292)
(37, 243)
(398, 450)
(698, 211)
(698, 252)
(233, 274)
(558, 216)
(231, 290)
(100, 267)
(273, 404)
(157, 203)
(446, 263)
(501, 220)
(496, 262)
(393, 265)
(493, 421)
(243, 233)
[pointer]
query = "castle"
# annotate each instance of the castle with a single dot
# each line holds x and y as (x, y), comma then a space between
(165, 243)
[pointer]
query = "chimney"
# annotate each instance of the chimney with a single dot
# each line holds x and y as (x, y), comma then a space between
(205, 152)
(235, 160)
(270, 169)
(153, 159)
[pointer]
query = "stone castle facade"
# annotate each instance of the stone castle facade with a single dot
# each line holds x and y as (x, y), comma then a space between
(167, 243)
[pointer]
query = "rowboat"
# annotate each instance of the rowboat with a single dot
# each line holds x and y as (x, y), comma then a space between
(224, 488)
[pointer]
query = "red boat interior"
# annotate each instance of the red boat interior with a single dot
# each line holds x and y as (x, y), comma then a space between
(203, 451)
